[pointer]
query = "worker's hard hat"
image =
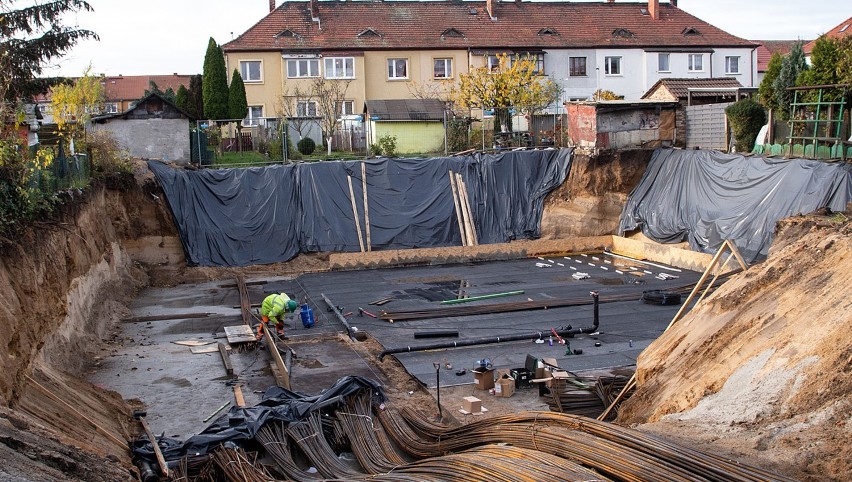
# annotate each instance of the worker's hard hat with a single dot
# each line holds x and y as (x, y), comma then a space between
(292, 305)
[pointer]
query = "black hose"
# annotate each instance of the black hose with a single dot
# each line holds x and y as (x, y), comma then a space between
(567, 331)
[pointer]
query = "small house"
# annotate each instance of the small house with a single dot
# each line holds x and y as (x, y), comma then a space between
(417, 124)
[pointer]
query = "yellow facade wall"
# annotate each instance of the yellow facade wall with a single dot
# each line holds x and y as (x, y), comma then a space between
(420, 73)
(412, 137)
(266, 92)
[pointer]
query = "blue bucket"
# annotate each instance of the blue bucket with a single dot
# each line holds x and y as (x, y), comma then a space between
(307, 315)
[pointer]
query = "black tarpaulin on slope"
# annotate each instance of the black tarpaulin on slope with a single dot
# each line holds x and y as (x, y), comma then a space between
(705, 197)
(238, 217)
(240, 425)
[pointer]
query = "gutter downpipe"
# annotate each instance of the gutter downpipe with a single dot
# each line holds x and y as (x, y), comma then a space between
(566, 332)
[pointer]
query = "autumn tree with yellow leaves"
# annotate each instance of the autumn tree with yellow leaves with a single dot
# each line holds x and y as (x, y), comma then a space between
(514, 83)
(75, 103)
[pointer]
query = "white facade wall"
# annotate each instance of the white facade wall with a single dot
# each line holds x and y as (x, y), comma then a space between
(166, 139)
(640, 69)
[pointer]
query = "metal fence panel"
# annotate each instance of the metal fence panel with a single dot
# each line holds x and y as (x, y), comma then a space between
(706, 127)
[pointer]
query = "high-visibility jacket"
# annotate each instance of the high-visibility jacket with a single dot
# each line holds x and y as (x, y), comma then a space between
(274, 306)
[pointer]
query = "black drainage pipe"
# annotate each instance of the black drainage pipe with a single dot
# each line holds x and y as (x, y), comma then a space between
(437, 334)
(567, 331)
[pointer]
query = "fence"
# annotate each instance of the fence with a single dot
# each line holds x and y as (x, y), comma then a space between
(64, 172)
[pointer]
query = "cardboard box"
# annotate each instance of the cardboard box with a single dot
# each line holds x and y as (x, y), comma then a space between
(484, 378)
(507, 387)
(472, 404)
(541, 370)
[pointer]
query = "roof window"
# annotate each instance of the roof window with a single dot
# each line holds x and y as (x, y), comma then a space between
(690, 31)
(369, 32)
(623, 33)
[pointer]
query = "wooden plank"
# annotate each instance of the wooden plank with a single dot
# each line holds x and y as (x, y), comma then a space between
(239, 334)
(164, 467)
(193, 342)
(200, 350)
(171, 316)
(238, 396)
(366, 207)
(464, 211)
(458, 210)
(226, 359)
(355, 213)
(470, 221)
(282, 376)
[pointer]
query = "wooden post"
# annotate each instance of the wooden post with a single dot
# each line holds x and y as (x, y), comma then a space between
(366, 207)
(458, 210)
(226, 359)
(465, 202)
(355, 214)
(282, 376)
(467, 238)
(160, 459)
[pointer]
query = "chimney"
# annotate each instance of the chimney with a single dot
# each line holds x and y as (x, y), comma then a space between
(489, 6)
(271, 5)
(654, 9)
(673, 2)
(312, 4)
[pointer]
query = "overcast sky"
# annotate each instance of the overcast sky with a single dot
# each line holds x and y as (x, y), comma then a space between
(162, 37)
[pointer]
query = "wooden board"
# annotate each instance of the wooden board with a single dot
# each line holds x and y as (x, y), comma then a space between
(239, 334)
(193, 342)
(197, 350)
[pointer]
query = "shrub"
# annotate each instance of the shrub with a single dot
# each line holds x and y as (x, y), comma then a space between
(746, 117)
(385, 146)
(306, 146)
(106, 155)
(22, 179)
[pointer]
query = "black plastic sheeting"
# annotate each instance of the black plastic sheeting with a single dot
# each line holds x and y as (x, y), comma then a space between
(239, 217)
(705, 197)
(240, 425)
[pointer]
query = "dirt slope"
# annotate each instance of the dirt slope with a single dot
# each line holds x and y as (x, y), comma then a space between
(762, 369)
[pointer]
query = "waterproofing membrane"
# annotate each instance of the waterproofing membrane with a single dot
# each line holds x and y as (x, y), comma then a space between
(705, 197)
(240, 425)
(239, 217)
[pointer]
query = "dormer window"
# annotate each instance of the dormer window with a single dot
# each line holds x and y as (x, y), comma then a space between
(287, 33)
(370, 32)
(547, 31)
(451, 33)
(690, 31)
(622, 33)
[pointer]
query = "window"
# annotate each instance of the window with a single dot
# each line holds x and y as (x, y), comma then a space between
(732, 64)
(397, 69)
(538, 58)
(345, 107)
(306, 108)
(577, 66)
(339, 67)
(696, 62)
(255, 112)
(302, 68)
(663, 64)
(494, 62)
(109, 108)
(612, 65)
(443, 69)
(250, 70)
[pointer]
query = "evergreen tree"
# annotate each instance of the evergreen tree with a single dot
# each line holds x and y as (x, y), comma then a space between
(196, 99)
(767, 86)
(215, 83)
(32, 36)
(182, 101)
(793, 64)
(237, 103)
(825, 57)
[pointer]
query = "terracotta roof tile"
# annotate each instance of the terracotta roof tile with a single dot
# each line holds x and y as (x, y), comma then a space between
(678, 87)
(769, 47)
(419, 25)
(132, 87)
(842, 30)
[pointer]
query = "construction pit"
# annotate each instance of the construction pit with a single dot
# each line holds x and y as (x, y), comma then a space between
(732, 391)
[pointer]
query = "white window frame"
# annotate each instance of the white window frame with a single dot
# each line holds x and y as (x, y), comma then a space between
(538, 58)
(448, 67)
(571, 69)
(252, 120)
(303, 109)
(660, 62)
(312, 67)
(335, 71)
(109, 108)
(245, 71)
(612, 63)
(345, 107)
(732, 61)
(692, 64)
(393, 66)
(493, 62)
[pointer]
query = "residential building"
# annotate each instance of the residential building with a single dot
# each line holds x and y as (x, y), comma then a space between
(120, 91)
(843, 29)
(391, 50)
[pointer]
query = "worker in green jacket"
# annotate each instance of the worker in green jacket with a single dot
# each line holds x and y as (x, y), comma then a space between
(272, 312)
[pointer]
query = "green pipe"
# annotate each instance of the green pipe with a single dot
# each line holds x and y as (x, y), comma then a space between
(483, 297)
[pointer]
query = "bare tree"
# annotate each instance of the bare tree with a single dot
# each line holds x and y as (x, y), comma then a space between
(287, 106)
(329, 94)
(429, 90)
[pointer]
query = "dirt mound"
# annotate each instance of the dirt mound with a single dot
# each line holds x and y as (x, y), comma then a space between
(763, 368)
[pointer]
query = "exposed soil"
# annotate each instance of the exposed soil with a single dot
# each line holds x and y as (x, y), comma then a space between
(763, 367)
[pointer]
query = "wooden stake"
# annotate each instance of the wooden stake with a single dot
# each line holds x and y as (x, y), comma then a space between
(464, 212)
(458, 210)
(465, 202)
(355, 214)
(164, 467)
(366, 208)
(238, 396)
